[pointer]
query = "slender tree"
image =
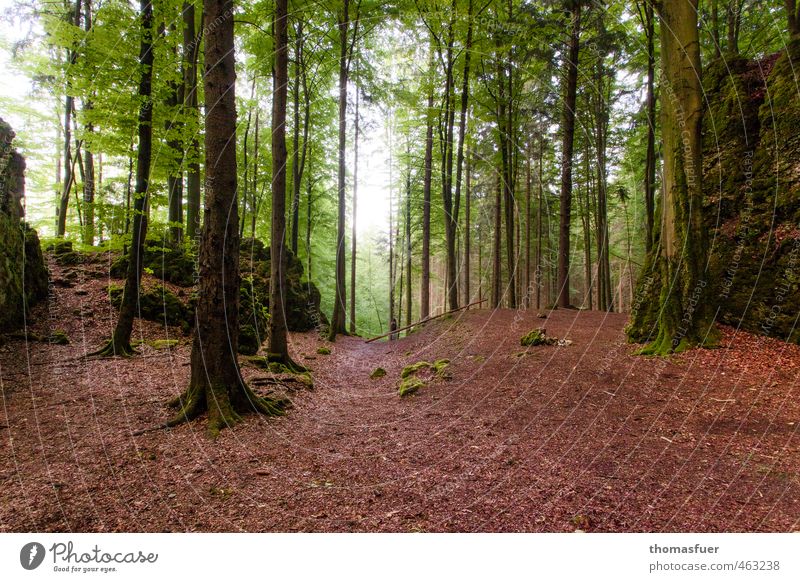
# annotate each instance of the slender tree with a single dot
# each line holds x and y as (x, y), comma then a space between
(567, 141)
(425, 282)
(120, 343)
(191, 51)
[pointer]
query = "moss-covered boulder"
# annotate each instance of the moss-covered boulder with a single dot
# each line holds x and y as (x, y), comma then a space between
(23, 275)
(420, 374)
(303, 311)
(535, 337)
(157, 303)
(173, 265)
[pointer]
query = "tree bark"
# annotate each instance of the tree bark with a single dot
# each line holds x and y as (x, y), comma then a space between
(216, 384)
(353, 238)
(120, 343)
(337, 324)
(792, 17)
(88, 157)
(676, 281)
(278, 346)
(496, 252)
(408, 239)
(69, 104)
(425, 283)
(191, 51)
(568, 136)
(467, 227)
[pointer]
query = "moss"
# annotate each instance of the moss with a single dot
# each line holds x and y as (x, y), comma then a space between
(414, 368)
(324, 351)
(58, 337)
(417, 375)
(157, 304)
(535, 337)
(377, 373)
(164, 344)
(409, 386)
(440, 367)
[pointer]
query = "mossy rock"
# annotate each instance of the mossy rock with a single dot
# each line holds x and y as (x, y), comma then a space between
(58, 337)
(418, 375)
(377, 373)
(157, 304)
(173, 265)
(410, 386)
(324, 351)
(59, 247)
(302, 305)
(535, 337)
(164, 344)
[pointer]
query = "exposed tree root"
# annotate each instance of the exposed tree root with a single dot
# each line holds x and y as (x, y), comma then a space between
(287, 362)
(111, 349)
(224, 411)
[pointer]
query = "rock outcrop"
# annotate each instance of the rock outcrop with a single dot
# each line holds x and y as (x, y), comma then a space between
(23, 275)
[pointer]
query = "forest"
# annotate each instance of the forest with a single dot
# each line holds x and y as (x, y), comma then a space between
(395, 265)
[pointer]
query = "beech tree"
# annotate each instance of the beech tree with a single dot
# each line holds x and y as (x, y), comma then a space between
(673, 311)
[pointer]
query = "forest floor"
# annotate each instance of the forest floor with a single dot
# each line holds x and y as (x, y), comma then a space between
(586, 436)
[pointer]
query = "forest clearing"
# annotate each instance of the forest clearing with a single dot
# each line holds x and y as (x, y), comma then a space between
(586, 436)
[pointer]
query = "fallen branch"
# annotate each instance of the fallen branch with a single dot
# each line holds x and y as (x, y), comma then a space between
(426, 320)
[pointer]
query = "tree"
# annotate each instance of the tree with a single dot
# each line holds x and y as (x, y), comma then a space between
(216, 383)
(120, 343)
(425, 282)
(645, 11)
(567, 141)
(346, 43)
(676, 283)
(191, 51)
(792, 17)
(278, 346)
(88, 155)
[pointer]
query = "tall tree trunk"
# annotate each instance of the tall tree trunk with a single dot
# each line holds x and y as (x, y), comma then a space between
(120, 343)
(568, 136)
(408, 239)
(538, 271)
(425, 282)
(792, 17)
(650, 160)
(496, 252)
(527, 295)
(337, 325)
(672, 298)
(504, 139)
(734, 14)
(278, 346)
(216, 383)
(467, 228)
(88, 158)
(353, 238)
(714, 24)
(175, 99)
(296, 169)
(69, 105)
(462, 130)
(448, 119)
(191, 51)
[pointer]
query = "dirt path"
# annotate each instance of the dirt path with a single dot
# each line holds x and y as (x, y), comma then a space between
(550, 438)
